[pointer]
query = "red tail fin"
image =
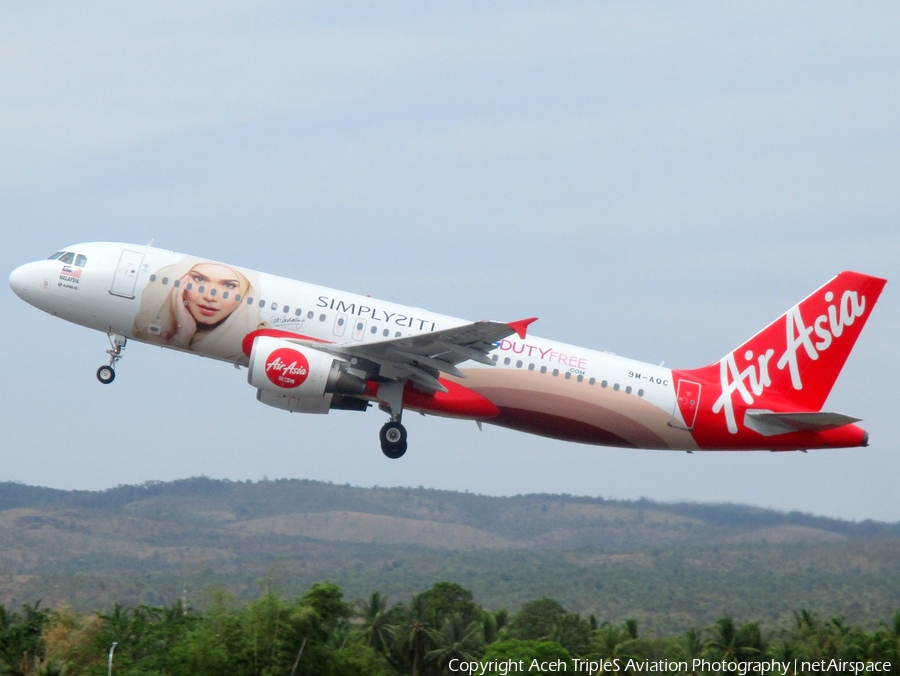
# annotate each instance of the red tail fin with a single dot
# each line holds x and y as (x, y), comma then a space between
(789, 366)
(800, 354)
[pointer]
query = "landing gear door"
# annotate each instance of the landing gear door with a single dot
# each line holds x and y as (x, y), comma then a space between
(688, 402)
(125, 278)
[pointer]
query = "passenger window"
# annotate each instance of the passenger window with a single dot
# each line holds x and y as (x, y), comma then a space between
(506, 361)
(531, 367)
(592, 381)
(224, 295)
(340, 321)
(80, 260)
(640, 393)
(212, 291)
(555, 372)
(262, 303)
(495, 358)
(165, 280)
(616, 387)
(177, 283)
(604, 384)
(249, 300)
(286, 309)
(568, 375)
(628, 390)
(68, 258)
(543, 369)
(201, 289)
(322, 317)
(580, 378)
(397, 334)
(189, 286)
(310, 314)
(274, 306)
(152, 278)
(386, 333)
(237, 298)
(298, 312)
(374, 329)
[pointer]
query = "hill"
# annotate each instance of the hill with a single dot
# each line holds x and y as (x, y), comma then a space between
(669, 565)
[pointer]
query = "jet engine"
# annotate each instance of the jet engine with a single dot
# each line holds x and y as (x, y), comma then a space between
(302, 379)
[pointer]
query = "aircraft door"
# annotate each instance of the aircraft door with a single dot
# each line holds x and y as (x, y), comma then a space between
(688, 402)
(125, 278)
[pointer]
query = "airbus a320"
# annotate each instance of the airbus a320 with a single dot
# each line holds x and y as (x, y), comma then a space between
(312, 349)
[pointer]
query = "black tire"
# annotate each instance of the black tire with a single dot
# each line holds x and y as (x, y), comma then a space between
(393, 440)
(106, 374)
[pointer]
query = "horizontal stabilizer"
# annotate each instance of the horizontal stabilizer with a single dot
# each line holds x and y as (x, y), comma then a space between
(769, 423)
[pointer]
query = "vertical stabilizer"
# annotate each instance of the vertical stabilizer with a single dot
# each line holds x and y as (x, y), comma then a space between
(792, 364)
(800, 354)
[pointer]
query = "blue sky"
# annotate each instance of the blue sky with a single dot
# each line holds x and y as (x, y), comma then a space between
(652, 180)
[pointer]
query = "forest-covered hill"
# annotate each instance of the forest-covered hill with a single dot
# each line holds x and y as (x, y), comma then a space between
(669, 565)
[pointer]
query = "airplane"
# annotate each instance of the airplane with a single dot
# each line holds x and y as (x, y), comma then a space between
(313, 349)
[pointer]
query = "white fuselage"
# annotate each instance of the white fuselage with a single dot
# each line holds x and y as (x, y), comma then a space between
(539, 385)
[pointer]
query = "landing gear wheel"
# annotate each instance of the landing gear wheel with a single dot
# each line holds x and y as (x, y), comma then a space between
(393, 440)
(107, 374)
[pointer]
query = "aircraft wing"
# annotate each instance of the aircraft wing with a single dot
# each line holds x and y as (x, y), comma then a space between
(422, 358)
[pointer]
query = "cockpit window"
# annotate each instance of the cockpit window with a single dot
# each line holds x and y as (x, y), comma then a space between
(80, 260)
(56, 255)
(68, 258)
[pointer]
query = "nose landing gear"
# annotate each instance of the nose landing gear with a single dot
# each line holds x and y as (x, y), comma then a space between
(107, 373)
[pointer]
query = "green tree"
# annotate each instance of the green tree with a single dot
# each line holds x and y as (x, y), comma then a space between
(527, 652)
(416, 634)
(537, 619)
(378, 630)
(455, 640)
(20, 638)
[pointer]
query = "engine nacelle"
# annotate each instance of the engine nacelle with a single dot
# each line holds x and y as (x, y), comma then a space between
(298, 378)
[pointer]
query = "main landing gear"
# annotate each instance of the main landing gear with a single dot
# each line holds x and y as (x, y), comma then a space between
(107, 373)
(393, 440)
(393, 434)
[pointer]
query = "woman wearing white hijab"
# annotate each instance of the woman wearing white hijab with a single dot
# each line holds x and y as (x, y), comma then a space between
(203, 308)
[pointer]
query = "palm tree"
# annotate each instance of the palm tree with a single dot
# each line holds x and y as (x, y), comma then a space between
(610, 643)
(417, 632)
(888, 639)
(688, 647)
(378, 633)
(723, 643)
(455, 641)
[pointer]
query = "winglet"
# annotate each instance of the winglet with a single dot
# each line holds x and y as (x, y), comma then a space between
(521, 326)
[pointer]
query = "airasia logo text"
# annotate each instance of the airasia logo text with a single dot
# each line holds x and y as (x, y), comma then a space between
(287, 368)
(813, 339)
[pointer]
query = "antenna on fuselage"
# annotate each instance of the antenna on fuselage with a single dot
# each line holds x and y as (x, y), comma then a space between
(150, 243)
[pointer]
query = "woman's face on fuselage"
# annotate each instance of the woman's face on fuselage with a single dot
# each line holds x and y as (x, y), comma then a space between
(215, 293)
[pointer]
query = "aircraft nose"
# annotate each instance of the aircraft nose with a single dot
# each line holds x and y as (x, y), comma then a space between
(24, 280)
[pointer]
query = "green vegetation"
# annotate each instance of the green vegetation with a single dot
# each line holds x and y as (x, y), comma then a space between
(320, 633)
(670, 567)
